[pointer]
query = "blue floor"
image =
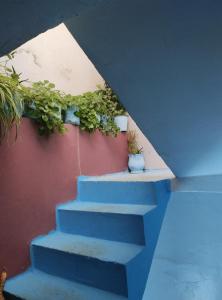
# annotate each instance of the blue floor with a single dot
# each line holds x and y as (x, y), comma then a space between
(187, 264)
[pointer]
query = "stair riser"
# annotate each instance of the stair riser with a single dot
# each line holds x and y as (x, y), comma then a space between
(108, 276)
(117, 192)
(115, 227)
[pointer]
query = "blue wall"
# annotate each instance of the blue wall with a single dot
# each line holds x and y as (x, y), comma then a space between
(165, 61)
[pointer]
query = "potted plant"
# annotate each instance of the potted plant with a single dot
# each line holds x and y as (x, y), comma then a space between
(70, 115)
(44, 104)
(136, 162)
(70, 110)
(11, 105)
(121, 120)
(106, 108)
(88, 111)
(115, 108)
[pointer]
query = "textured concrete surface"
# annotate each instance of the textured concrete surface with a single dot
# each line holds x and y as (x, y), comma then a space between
(125, 192)
(116, 222)
(147, 175)
(35, 285)
(187, 262)
(116, 208)
(86, 246)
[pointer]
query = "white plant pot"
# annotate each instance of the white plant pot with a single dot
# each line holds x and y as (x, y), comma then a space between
(70, 117)
(98, 117)
(136, 163)
(104, 119)
(121, 122)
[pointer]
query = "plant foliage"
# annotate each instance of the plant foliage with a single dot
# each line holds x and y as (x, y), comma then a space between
(89, 109)
(11, 105)
(11, 102)
(95, 113)
(96, 110)
(113, 104)
(44, 104)
(133, 147)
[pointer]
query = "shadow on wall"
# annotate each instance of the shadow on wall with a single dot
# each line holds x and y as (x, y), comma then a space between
(30, 18)
(37, 173)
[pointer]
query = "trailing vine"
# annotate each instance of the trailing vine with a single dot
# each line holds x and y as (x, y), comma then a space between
(46, 105)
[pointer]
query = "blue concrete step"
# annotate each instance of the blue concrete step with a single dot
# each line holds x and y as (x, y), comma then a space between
(118, 222)
(36, 285)
(116, 192)
(95, 262)
(103, 246)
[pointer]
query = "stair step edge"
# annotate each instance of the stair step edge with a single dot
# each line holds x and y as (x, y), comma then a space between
(49, 287)
(98, 207)
(104, 250)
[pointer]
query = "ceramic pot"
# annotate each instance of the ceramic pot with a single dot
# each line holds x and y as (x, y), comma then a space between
(121, 122)
(70, 116)
(136, 163)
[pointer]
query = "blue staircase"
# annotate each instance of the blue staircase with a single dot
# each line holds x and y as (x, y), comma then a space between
(102, 247)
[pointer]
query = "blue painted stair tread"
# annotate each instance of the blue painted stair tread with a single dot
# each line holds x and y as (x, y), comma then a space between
(130, 209)
(100, 249)
(116, 222)
(117, 192)
(36, 285)
(98, 263)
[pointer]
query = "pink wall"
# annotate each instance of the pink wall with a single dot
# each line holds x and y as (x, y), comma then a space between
(36, 173)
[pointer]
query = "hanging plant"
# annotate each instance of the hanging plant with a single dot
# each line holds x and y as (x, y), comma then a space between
(69, 110)
(44, 104)
(11, 105)
(89, 111)
(95, 113)
(112, 100)
(115, 110)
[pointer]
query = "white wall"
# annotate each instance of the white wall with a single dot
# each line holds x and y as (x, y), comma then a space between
(57, 57)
